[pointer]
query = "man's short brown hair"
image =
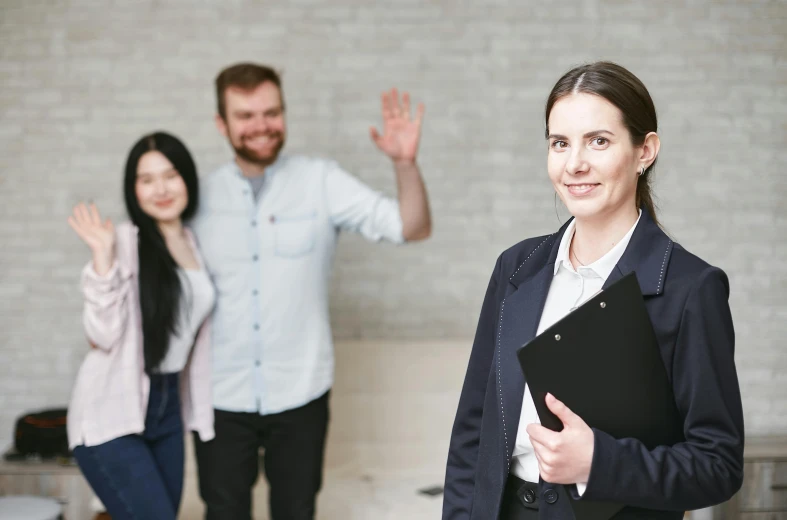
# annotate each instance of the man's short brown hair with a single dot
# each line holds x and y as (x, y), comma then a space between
(245, 76)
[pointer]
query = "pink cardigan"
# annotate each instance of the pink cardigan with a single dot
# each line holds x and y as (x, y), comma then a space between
(110, 396)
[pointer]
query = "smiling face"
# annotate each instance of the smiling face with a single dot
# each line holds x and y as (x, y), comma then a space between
(161, 191)
(592, 162)
(254, 123)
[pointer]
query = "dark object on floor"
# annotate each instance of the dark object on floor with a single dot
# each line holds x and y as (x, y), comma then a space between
(42, 433)
(431, 491)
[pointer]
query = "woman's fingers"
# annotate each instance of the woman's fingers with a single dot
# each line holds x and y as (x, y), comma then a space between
(94, 215)
(81, 231)
(83, 215)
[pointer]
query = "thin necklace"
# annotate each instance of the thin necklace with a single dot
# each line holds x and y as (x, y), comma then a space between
(576, 257)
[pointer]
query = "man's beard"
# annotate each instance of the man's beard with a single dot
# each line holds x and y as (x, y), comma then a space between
(260, 158)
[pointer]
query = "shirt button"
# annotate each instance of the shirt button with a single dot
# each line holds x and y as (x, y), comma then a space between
(245, 192)
(255, 257)
(253, 223)
(254, 292)
(256, 326)
(550, 496)
(257, 363)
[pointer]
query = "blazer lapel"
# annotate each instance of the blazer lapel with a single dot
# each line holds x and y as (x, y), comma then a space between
(520, 314)
(647, 255)
(519, 320)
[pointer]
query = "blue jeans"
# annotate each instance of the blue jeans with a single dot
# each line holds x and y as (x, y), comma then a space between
(140, 477)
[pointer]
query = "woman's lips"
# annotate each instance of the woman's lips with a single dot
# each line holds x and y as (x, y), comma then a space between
(579, 190)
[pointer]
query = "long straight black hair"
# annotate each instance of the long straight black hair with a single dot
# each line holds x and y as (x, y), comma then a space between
(159, 284)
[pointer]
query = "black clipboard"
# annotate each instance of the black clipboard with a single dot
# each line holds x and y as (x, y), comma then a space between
(603, 361)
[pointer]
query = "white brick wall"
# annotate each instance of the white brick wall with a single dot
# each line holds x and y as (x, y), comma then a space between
(81, 80)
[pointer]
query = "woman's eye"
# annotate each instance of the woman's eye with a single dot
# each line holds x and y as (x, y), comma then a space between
(600, 141)
(559, 145)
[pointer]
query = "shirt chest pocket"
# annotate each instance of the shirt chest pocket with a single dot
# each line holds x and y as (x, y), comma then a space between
(294, 234)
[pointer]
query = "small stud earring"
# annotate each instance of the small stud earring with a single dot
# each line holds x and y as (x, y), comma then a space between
(642, 171)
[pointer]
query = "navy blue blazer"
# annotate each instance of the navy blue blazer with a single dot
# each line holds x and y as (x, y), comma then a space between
(687, 300)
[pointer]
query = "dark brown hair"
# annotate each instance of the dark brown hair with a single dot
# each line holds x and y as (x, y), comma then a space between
(623, 89)
(245, 76)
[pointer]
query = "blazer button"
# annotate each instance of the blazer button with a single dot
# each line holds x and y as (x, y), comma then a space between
(530, 496)
(550, 496)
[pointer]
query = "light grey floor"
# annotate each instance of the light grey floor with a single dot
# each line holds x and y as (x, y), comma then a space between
(350, 497)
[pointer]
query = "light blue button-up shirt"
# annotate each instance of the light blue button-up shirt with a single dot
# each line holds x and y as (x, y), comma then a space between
(270, 260)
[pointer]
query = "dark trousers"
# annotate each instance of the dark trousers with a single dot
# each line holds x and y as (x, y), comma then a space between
(141, 476)
(294, 443)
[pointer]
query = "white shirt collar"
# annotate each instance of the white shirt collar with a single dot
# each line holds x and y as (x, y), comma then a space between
(604, 265)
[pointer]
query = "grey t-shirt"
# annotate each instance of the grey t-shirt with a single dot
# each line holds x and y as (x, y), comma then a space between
(257, 182)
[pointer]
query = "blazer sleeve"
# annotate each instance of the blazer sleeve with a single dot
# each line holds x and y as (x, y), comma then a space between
(707, 468)
(106, 313)
(463, 447)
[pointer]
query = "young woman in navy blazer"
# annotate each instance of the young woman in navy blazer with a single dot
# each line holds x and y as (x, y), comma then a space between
(601, 130)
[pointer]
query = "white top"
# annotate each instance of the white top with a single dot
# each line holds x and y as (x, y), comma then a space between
(196, 302)
(570, 288)
(270, 257)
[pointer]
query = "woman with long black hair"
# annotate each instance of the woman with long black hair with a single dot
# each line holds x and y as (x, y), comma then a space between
(147, 300)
